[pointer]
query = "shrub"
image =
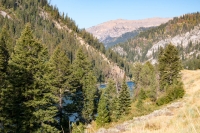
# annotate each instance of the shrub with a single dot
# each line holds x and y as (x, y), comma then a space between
(174, 91)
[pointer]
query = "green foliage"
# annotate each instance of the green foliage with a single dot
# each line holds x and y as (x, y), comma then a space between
(142, 95)
(124, 99)
(4, 57)
(102, 112)
(59, 79)
(169, 66)
(174, 91)
(89, 94)
(111, 98)
(145, 77)
(139, 104)
(77, 128)
(45, 20)
(31, 105)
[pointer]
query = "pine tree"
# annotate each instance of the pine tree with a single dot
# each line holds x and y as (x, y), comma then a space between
(89, 94)
(103, 113)
(59, 76)
(4, 57)
(80, 69)
(124, 99)
(169, 66)
(111, 97)
(32, 106)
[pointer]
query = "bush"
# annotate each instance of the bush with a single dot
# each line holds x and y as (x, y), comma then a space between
(162, 100)
(174, 91)
(77, 128)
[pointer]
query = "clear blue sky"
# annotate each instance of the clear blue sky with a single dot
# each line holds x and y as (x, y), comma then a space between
(88, 13)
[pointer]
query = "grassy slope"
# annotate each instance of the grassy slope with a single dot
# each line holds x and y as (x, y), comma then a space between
(183, 118)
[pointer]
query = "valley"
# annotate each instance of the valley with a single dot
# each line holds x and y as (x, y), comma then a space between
(50, 69)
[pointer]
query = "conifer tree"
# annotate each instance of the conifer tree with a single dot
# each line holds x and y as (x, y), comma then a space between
(80, 69)
(4, 57)
(103, 113)
(60, 81)
(111, 97)
(124, 99)
(32, 99)
(169, 66)
(89, 94)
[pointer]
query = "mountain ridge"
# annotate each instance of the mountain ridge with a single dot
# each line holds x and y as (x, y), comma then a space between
(115, 28)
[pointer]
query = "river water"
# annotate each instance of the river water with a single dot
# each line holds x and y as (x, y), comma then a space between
(130, 84)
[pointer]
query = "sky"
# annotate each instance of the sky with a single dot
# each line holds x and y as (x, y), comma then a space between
(88, 13)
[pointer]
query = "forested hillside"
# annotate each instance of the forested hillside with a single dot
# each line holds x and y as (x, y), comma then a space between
(53, 28)
(111, 41)
(182, 32)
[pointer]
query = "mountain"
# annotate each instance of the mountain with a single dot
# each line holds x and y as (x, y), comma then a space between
(183, 32)
(115, 28)
(111, 41)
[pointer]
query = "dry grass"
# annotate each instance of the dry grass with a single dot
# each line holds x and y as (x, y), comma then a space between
(185, 119)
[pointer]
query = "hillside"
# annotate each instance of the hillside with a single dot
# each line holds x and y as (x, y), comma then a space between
(111, 41)
(52, 29)
(177, 117)
(182, 32)
(115, 28)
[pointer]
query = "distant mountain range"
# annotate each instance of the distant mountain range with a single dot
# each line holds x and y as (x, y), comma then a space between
(183, 32)
(108, 32)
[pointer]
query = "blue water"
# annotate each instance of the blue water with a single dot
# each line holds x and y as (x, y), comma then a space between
(129, 83)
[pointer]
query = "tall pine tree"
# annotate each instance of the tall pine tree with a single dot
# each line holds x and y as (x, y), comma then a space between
(32, 107)
(169, 66)
(89, 94)
(81, 68)
(59, 77)
(103, 113)
(124, 99)
(111, 96)
(4, 57)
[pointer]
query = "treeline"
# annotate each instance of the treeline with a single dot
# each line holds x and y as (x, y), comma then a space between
(43, 17)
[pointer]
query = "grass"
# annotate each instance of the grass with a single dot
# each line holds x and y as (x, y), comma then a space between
(185, 119)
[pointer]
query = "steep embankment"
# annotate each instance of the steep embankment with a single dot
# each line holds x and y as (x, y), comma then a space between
(181, 116)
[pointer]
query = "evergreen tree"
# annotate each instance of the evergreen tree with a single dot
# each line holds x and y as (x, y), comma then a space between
(169, 66)
(31, 108)
(60, 81)
(80, 69)
(124, 99)
(111, 97)
(89, 94)
(103, 113)
(4, 57)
